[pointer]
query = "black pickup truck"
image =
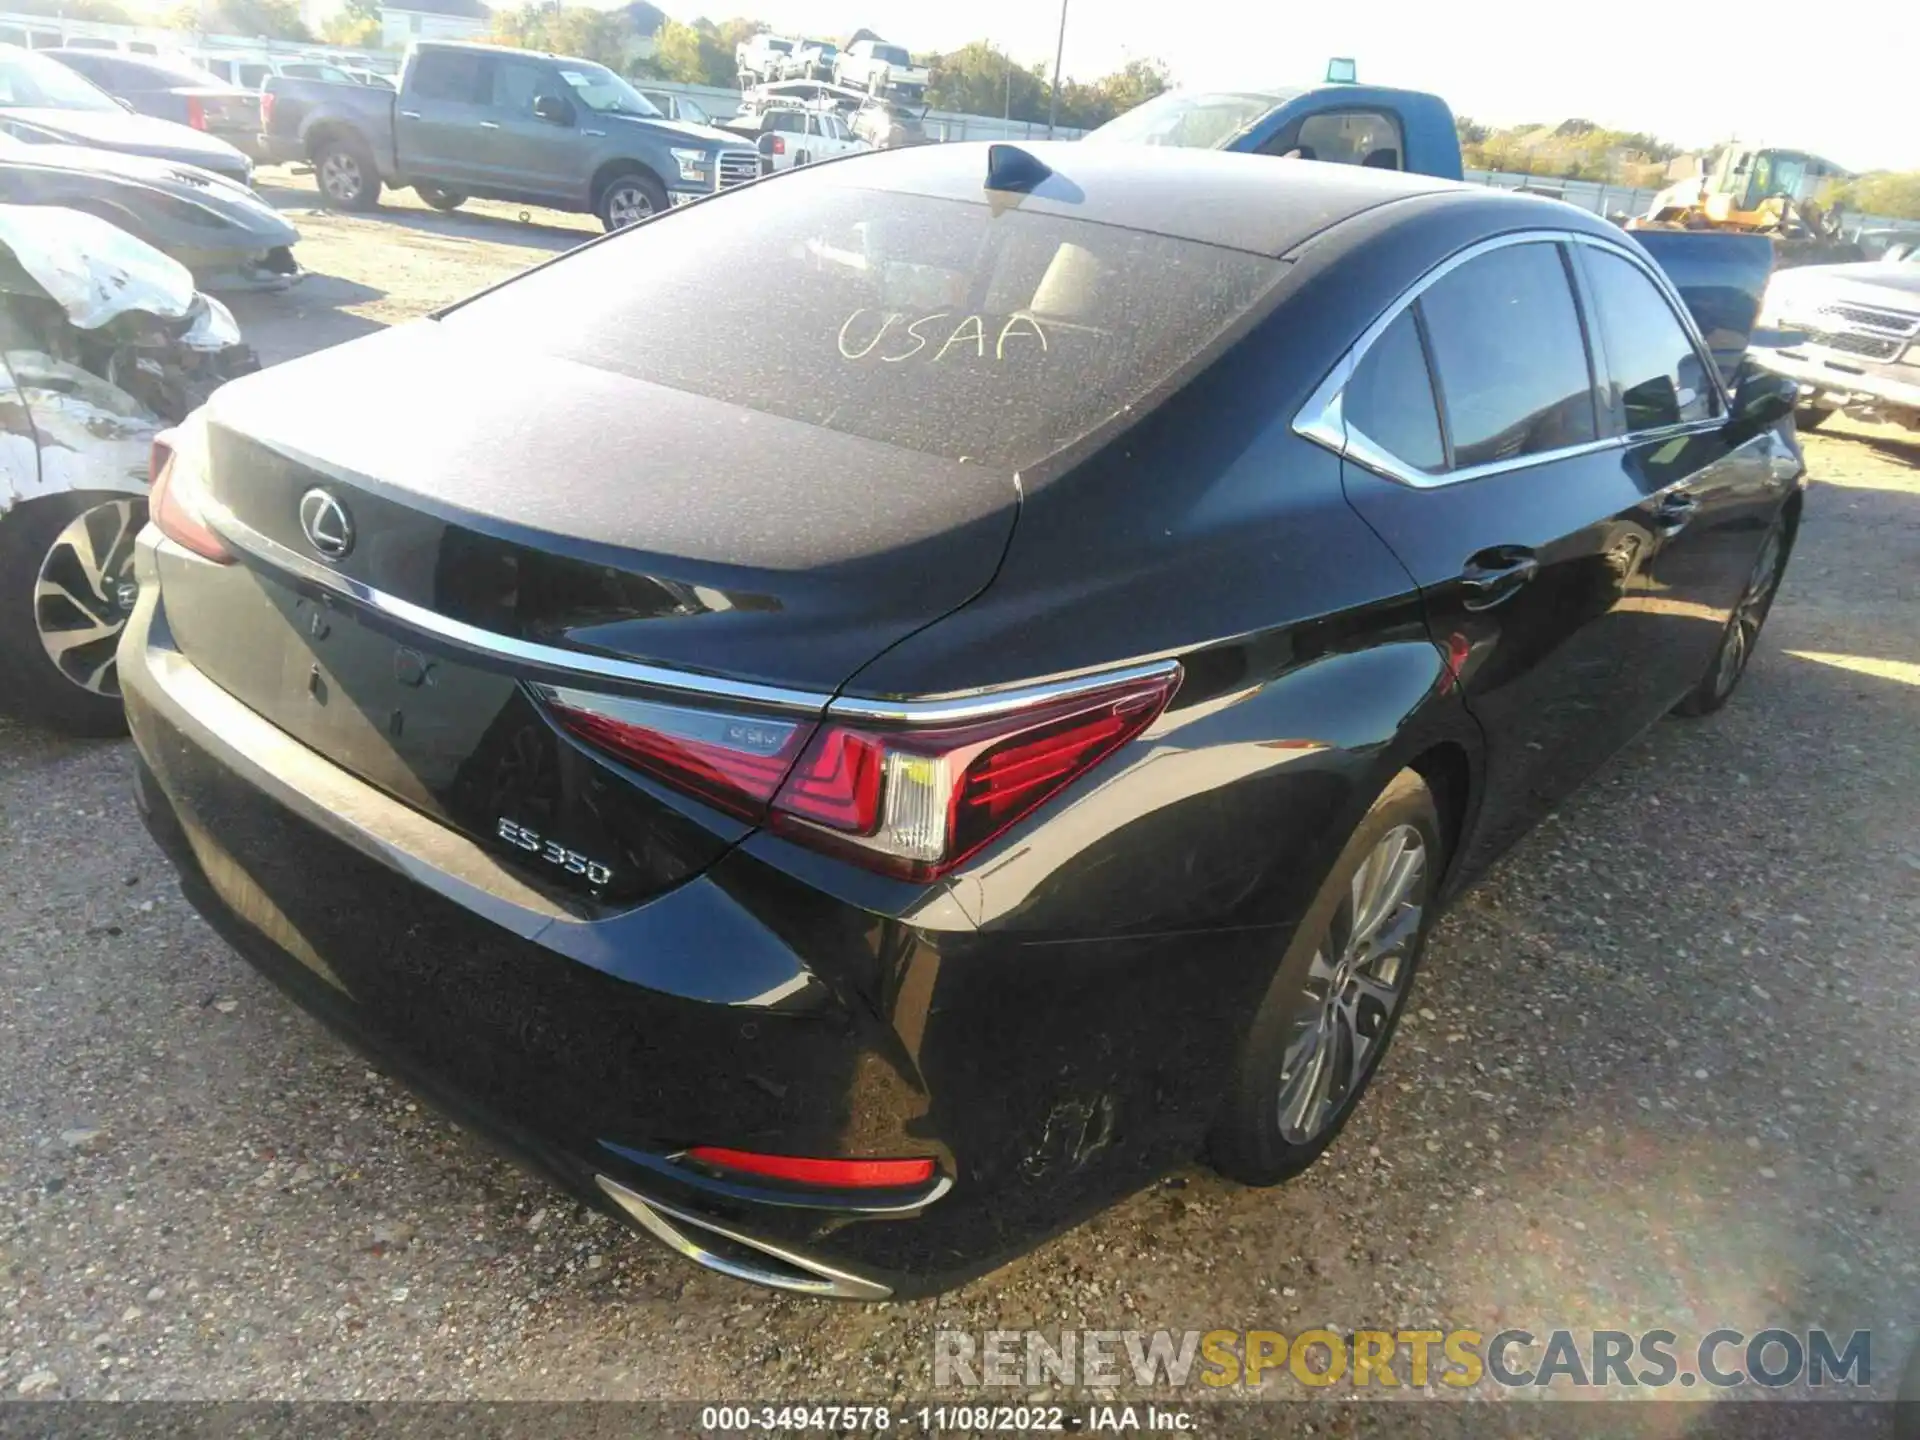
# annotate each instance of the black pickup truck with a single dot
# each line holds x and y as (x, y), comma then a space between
(502, 124)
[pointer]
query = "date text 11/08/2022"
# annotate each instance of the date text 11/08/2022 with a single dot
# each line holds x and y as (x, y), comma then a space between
(938, 1419)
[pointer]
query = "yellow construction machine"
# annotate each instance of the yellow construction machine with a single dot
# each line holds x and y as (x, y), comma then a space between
(1759, 191)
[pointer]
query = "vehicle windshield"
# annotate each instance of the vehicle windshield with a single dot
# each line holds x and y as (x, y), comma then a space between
(599, 89)
(957, 328)
(892, 55)
(32, 81)
(1195, 121)
(780, 47)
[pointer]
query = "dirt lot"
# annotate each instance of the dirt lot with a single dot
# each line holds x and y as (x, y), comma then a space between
(1663, 1068)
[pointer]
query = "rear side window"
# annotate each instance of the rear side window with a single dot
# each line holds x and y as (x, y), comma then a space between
(1509, 355)
(449, 75)
(1656, 375)
(1351, 137)
(1389, 400)
(993, 334)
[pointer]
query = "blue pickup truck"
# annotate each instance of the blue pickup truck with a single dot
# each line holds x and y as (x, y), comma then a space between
(1346, 124)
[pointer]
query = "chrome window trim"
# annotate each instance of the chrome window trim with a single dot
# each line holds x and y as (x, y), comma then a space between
(958, 708)
(1321, 419)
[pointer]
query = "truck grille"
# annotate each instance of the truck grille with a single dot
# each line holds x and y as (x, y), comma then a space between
(1868, 347)
(1886, 322)
(737, 167)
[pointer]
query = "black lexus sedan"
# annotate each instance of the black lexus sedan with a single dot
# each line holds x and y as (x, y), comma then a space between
(856, 771)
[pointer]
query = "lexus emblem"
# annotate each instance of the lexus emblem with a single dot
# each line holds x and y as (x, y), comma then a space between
(328, 527)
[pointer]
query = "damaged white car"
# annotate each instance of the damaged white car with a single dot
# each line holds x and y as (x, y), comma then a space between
(104, 341)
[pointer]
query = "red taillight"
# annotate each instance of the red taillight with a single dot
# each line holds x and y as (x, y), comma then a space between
(733, 762)
(944, 792)
(838, 1174)
(779, 145)
(196, 112)
(173, 504)
(266, 109)
(912, 801)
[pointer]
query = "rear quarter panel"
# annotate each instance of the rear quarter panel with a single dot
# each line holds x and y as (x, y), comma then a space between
(306, 109)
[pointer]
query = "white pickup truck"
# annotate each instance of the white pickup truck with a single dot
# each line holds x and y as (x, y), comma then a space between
(880, 69)
(1855, 338)
(759, 57)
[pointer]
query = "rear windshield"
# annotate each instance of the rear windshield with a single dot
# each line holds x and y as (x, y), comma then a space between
(1180, 117)
(931, 324)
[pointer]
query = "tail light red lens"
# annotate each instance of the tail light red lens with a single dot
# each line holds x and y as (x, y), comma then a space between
(944, 792)
(196, 112)
(266, 109)
(733, 762)
(175, 500)
(835, 1174)
(779, 145)
(912, 801)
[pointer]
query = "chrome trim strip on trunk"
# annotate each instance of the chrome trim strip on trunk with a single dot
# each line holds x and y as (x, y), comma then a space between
(985, 704)
(954, 709)
(491, 644)
(801, 1274)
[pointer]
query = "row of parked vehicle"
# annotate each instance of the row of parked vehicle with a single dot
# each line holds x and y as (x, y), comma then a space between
(875, 66)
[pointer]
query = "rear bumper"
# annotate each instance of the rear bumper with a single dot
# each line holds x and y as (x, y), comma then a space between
(742, 1008)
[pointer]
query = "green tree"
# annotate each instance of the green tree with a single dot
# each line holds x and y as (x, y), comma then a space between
(269, 19)
(356, 23)
(692, 54)
(600, 35)
(1894, 193)
(981, 79)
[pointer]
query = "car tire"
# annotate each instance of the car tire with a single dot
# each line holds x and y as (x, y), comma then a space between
(66, 590)
(1812, 417)
(629, 197)
(1338, 994)
(346, 174)
(1742, 634)
(441, 199)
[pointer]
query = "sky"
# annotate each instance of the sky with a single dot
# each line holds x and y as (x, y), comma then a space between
(1695, 73)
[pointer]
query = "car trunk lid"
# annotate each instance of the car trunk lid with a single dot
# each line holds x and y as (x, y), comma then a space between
(527, 520)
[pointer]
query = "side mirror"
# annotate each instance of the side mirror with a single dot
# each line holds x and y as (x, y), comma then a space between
(1760, 399)
(552, 109)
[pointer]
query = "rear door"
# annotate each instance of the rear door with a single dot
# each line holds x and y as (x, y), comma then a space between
(1716, 497)
(1472, 430)
(525, 153)
(439, 132)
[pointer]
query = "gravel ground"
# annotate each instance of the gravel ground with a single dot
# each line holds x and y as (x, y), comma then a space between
(1662, 1068)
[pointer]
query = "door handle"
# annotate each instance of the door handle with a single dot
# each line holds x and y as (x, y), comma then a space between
(488, 125)
(1495, 575)
(409, 114)
(1675, 509)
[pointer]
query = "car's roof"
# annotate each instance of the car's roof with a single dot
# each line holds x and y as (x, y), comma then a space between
(1246, 202)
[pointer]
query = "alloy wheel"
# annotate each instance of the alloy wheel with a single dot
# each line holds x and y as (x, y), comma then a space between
(627, 204)
(85, 591)
(1356, 983)
(340, 176)
(1743, 629)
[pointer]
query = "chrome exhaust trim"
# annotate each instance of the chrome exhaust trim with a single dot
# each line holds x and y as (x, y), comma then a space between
(798, 1273)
